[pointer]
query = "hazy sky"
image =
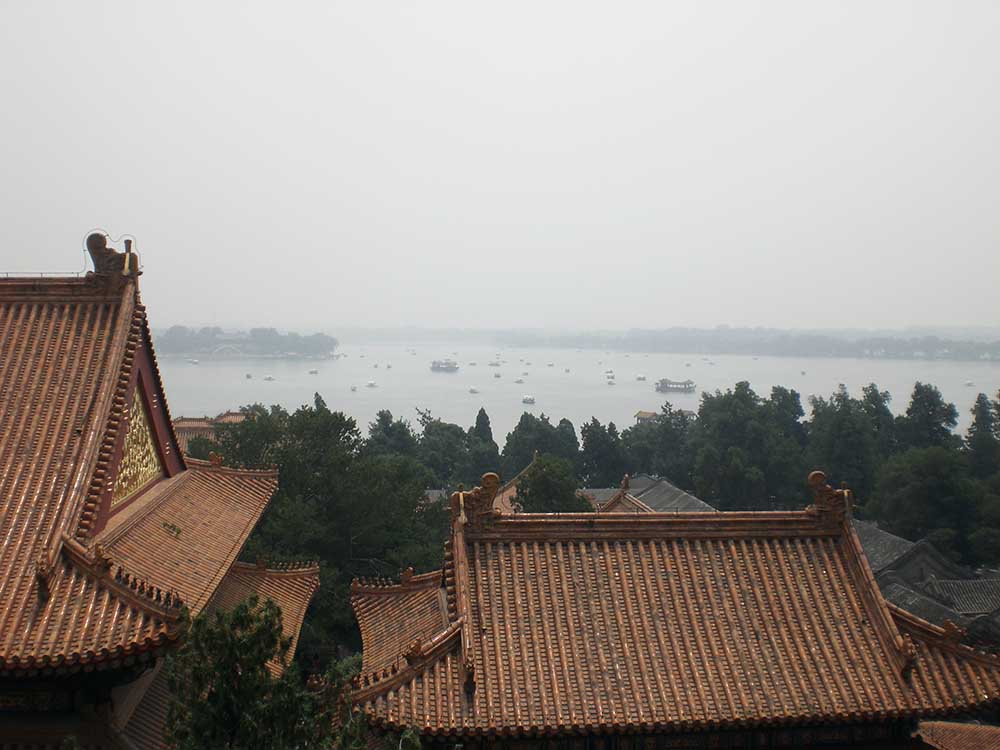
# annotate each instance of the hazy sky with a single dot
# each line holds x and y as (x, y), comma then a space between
(510, 164)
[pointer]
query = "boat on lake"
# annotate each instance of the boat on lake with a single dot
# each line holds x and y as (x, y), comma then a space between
(353, 388)
(527, 399)
(519, 381)
(249, 376)
(444, 365)
(666, 385)
(314, 371)
(473, 391)
(496, 374)
(371, 384)
(640, 377)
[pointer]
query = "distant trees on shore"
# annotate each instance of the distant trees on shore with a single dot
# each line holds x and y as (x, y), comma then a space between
(257, 342)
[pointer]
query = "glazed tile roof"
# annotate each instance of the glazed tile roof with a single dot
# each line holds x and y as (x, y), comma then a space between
(978, 596)
(289, 586)
(565, 623)
(949, 735)
(190, 528)
(72, 354)
(392, 616)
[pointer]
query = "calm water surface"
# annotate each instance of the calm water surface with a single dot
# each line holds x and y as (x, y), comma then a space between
(213, 386)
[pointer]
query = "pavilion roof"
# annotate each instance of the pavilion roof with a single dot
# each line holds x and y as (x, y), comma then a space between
(91, 575)
(637, 622)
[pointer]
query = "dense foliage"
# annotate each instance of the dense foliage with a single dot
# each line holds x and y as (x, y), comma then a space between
(225, 697)
(358, 503)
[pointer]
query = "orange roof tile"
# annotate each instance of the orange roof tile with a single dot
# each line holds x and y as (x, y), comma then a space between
(947, 735)
(392, 617)
(289, 586)
(190, 528)
(665, 622)
(73, 355)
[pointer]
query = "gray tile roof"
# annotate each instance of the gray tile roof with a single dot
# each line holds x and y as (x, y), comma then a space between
(881, 547)
(665, 497)
(976, 597)
(921, 605)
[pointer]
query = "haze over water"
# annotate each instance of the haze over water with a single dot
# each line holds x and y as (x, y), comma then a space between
(212, 386)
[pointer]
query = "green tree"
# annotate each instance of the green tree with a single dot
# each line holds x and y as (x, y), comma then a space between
(661, 447)
(929, 419)
(484, 455)
(748, 451)
(388, 436)
(538, 434)
(926, 492)
(982, 441)
(876, 406)
(200, 447)
(602, 455)
(224, 696)
(550, 486)
(842, 441)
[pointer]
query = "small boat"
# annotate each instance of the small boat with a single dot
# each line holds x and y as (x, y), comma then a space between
(527, 399)
(193, 361)
(472, 364)
(249, 376)
(314, 371)
(525, 372)
(371, 384)
(528, 364)
(496, 374)
(388, 367)
(362, 356)
(609, 372)
(269, 378)
(494, 364)
(802, 372)
(969, 384)
(687, 364)
(566, 370)
(519, 381)
(353, 388)
(444, 365)
(551, 364)
(375, 365)
(612, 382)
(473, 391)
(640, 377)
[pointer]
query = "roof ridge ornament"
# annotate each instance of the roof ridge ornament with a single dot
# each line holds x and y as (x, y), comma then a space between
(831, 504)
(475, 508)
(110, 263)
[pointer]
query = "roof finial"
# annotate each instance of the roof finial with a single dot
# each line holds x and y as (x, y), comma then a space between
(625, 480)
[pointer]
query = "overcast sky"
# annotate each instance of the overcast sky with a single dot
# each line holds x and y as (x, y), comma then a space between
(314, 165)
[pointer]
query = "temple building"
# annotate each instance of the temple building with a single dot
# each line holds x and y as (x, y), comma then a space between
(653, 630)
(109, 531)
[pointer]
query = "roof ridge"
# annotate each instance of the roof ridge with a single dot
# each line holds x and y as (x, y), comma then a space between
(115, 413)
(140, 592)
(286, 568)
(418, 656)
(948, 637)
(218, 468)
(408, 581)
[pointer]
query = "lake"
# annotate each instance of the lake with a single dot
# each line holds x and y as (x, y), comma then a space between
(212, 386)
